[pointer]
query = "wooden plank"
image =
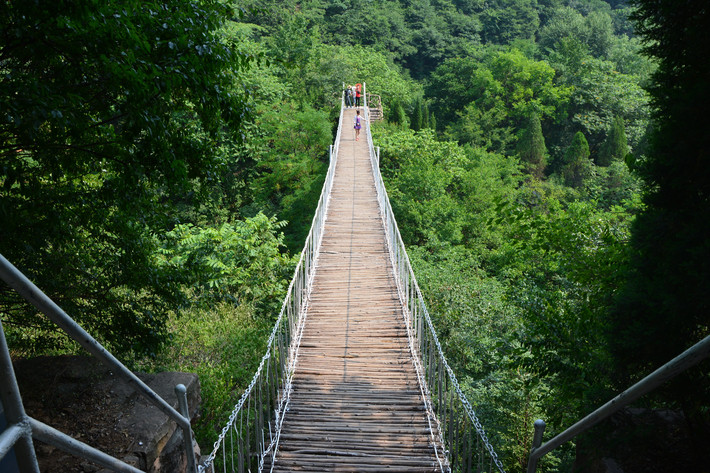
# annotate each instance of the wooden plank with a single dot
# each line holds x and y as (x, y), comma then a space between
(356, 404)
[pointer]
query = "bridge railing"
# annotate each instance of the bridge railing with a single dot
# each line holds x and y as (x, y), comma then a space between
(689, 358)
(251, 436)
(22, 429)
(467, 446)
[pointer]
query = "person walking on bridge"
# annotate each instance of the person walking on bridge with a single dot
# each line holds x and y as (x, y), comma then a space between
(358, 124)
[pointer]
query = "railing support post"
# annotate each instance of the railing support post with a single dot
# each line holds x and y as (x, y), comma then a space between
(537, 441)
(181, 393)
(15, 411)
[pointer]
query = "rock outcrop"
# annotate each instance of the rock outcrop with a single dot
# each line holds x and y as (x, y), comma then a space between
(84, 399)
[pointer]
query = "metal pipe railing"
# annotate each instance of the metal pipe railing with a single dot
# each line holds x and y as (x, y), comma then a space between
(251, 436)
(467, 446)
(32, 294)
(691, 357)
(18, 432)
(51, 436)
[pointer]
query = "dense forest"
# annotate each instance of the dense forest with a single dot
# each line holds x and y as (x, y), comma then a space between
(160, 163)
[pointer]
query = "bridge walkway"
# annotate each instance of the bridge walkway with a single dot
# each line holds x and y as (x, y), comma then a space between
(356, 403)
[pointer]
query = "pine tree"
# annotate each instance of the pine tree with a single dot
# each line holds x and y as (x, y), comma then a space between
(665, 306)
(417, 115)
(425, 115)
(577, 166)
(531, 147)
(398, 115)
(615, 146)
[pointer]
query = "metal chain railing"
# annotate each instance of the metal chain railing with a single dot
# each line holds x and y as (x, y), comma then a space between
(468, 447)
(251, 435)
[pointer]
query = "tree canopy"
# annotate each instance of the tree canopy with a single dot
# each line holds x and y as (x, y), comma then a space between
(160, 163)
(97, 153)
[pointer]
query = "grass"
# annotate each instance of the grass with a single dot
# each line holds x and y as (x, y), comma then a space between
(223, 346)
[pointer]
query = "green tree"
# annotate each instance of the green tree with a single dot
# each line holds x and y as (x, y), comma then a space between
(416, 119)
(566, 262)
(531, 147)
(330, 65)
(111, 116)
(595, 30)
(397, 114)
(290, 146)
(239, 261)
(496, 95)
(482, 128)
(599, 93)
(615, 146)
(425, 115)
(577, 165)
(665, 305)
(504, 21)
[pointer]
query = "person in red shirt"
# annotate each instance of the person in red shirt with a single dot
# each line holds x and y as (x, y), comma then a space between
(358, 93)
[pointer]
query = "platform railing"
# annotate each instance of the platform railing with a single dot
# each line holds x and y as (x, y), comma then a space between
(467, 446)
(691, 357)
(251, 436)
(22, 429)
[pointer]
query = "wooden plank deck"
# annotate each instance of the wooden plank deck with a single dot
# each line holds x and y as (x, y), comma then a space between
(356, 403)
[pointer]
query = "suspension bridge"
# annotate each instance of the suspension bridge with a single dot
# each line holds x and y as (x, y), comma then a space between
(354, 377)
(356, 403)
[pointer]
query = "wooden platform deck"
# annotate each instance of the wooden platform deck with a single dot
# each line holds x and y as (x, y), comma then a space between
(356, 403)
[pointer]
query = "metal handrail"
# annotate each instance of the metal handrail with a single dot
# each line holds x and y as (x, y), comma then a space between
(252, 434)
(468, 447)
(691, 357)
(32, 294)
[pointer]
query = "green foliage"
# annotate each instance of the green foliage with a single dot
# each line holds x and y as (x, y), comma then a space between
(568, 263)
(531, 147)
(331, 65)
(474, 317)
(223, 345)
(110, 119)
(497, 95)
(439, 191)
(615, 147)
(577, 167)
(417, 121)
(505, 21)
(397, 114)
(482, 128)
(290, 147)
(241, 262)
(614, 186)
(424, 173)
(664, 308)
(594, 30)
(599, 94)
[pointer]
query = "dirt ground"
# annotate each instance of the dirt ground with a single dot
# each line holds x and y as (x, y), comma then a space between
(80, 397)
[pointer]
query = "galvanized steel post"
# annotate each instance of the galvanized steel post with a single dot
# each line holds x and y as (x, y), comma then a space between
(15, 414)
(181, 393)
(537, 441)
